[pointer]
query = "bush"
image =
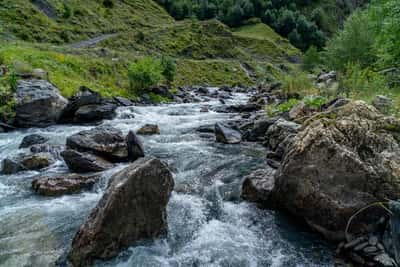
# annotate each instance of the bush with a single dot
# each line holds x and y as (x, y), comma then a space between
(22, 68)
(311, 59)
(297, 85)
(314, 102)
(2, 59)
(67, 12)
(108, 3)
(7, 105)
(144, 73)
(169, 69)
(276, 109)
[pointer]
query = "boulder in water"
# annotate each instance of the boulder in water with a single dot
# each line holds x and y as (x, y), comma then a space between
(135, 146)
(37, 161)
(94, 113)
(258, 185)
(104, 141)
(133, 208)
(85, 96)
(227, 135)
(340, 162)
(149, 129)
(63, 184)
(84, 162)
(11, 166)
(38, 104)
(33, 139)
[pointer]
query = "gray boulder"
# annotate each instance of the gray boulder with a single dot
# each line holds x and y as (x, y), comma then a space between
(279, 131)
(94, 113)
(258, 185)
(227, 135)
(85, 96)
(33, 139)
(135, 146)
(38, 104)
(84, 162)
(133, 208)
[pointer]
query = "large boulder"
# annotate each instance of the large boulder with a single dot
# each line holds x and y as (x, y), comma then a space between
(94, 113)
(133, 208)
(104, 141)
(33, 139)
(279, 131)
(38, 104)
(258, 185)
(341, 161)
(135, 146)
(85, 96)
(226, 135)
(84, 162)
(63, 184)
(37, 161)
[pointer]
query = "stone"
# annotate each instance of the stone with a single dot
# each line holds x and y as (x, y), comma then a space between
(62, 184)
(135, 146)
(133, 208)
(84, 97)
(339, 162)
(84, 162)
(299, 111)
(204, 110)
(38, 104)
(104, 141)
(122, 101)
(40, 74)
(258, 185)
(206, 129)
(33, 139)
(149, 129)
(37, 161)
(279, 131)
(383, 103)
(260, 128)
(94, 113)
(10, 166)
(226, 135)
(54, 150)
(6, 127)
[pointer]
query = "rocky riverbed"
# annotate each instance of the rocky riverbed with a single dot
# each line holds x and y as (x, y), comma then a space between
(207, 223)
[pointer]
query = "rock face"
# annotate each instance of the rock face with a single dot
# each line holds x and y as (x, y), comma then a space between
(38, 104)
(63, 184)
(340, 161)
(227, 135)
(104, 141)
(33, 139)
(257, 186)
(133, 208)
(149, 129)
(84, 162)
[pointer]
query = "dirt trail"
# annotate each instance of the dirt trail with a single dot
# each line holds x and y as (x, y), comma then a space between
(93, 41)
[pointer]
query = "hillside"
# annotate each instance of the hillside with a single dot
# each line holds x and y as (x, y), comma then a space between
(93, 44)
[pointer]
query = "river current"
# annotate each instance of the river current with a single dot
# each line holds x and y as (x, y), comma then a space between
(208, 224)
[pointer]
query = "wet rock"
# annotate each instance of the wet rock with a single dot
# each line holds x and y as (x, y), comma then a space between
(135, 146)
(37, 161)
(132, 208)
(149, 129)
(206, 129)
(122, 101)
(258, 131)
(38, 104)
(33, 139)
(338, 163)
(104, 141)
(94, 113)
(258, 185)
(10, 166)
(84, 97)
(54, 150)
(227, 135)
(4, 127)
(63, 184)
(84, 162)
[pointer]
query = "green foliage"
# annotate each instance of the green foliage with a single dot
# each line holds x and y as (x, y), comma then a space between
(2, 60)
(168, 68)
(13, 81)
(144, 73)
(22, 68)
(7, 105)
(361, 82)
(311, 59)
(276, 109)
(354, 44)
(67, 11)
(297, 85)
(314, 102)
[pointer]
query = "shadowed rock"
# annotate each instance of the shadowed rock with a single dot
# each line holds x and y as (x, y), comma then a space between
(227, 135)
(33, 139)
(84, 162)
(132, 208)
(149, 129)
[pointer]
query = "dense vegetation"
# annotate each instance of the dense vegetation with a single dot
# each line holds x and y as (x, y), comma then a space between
(306, 23)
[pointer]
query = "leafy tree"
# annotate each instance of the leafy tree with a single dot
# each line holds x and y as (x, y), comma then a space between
(311, 59)
(144, 73)
(168, 69)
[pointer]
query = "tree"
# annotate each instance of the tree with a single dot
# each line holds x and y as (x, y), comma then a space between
(144, 73)
(311, 59)
(168, 69)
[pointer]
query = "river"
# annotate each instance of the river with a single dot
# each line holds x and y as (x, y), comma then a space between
(208, 224)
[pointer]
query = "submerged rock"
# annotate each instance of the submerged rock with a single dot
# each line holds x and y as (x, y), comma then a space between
(11, 166)
(341, 161)
(149, 129)
(38, 104)
(227, 135)
(33, 139)
(84, 162)
(258, 185)
(132, 208)
(63, 184)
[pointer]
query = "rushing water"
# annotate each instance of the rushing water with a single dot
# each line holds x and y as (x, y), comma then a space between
(208, 225)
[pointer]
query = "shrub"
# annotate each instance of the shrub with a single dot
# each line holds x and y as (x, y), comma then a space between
(297, 85)
(108, 3)
(67, 11)
(13, 81)
(7, 105)
(314, 102)
(2, 59)
(169, 69)
(144, 73)
(311, 59)
(22, 68)
(276, 109)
